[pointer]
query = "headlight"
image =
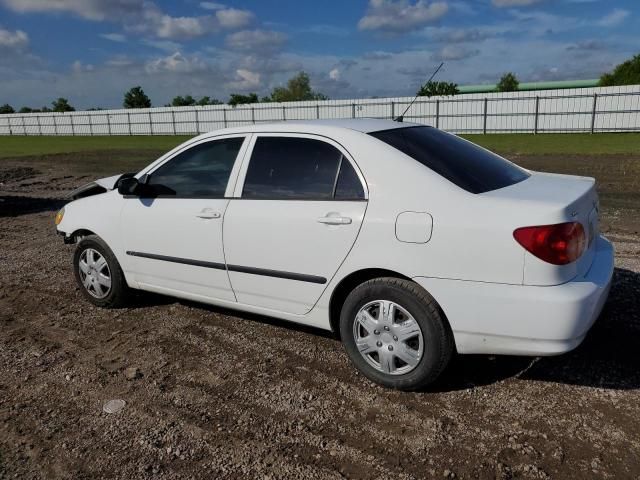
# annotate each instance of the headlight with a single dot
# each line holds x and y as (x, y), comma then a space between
(59, 216)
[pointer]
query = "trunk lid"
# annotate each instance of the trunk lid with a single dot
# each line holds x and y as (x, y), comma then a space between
(545, 199)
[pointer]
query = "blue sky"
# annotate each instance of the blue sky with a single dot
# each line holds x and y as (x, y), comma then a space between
(91, 51)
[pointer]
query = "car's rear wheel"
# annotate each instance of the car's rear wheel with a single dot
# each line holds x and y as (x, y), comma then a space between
(394, 333)
(98, 273)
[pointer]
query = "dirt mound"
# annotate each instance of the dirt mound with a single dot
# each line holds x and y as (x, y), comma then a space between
(17, 174)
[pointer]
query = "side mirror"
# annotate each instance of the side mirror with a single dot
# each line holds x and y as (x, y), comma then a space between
(128, 186)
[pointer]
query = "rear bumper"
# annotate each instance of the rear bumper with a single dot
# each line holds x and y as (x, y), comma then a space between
(525, 320)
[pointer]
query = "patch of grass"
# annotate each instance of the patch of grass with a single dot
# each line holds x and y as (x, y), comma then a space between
(559, 143)
(507, 144)
(19, 146)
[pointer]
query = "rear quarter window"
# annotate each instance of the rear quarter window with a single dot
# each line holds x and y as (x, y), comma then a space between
(469, 166)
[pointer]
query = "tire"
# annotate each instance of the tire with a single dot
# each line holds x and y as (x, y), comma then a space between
(113, 293)
(394, 340)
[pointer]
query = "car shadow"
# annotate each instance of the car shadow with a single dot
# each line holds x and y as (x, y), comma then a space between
(256, 317)
(14, 206)
(608, 357)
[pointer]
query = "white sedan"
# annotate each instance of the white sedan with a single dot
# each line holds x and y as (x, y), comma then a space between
(408, 242)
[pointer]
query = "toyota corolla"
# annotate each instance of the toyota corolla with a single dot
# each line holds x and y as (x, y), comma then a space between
(408, 242)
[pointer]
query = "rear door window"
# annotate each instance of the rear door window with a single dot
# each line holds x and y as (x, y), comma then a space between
(348, 184)
(469, 166)
(290, 168)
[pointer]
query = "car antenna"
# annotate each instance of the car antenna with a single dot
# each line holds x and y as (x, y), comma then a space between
(401, 117)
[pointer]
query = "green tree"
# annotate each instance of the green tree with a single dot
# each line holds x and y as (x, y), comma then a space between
(209, 101)
(62, 105)
(28, 110)
(181, 101)
(188, 101)
(238, 99)
(6, 108)
(438, 89)
(136, 98)
(627, 73)
(508, 83)
(298, 88)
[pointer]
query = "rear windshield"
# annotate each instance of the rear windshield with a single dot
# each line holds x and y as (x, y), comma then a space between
(468, 166)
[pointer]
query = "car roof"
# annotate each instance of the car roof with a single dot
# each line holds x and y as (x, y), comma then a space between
(364, 125)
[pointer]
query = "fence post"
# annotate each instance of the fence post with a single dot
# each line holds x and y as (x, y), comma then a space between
(484, 126)
(39, 125)
(593, 113)
(55, 125)
(393, 110)
(317, 111)
(173, 121)
(73, 131)
(90, 125)
(535, 125)
(253, 115)
(24, 127)
(437, 113)
(150, 123)
(353, 110)
(224, 117)
(197, 121)
(109, 123)
(9, 125)
(284, 113)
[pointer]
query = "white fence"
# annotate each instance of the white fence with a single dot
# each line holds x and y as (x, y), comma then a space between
(605, 109)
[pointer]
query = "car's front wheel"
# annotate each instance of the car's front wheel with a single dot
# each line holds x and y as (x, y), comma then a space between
(394, 333)
(98, 273)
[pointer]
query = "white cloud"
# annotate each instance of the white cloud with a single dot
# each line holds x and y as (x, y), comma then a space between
(155, 22)
(212, 5)
(232, 18)
(334, 74)
(401, 15)
(461, 35)
(165, 26)
(176, 62)
(89, 9)
(141, 16)
(119, 61)
(17, 40)
(377, 55)
(616, 17)
(256, 40)
(79, 67)
(514, 3)
(166, 45)
(245, 80)
(114, 37)
(455, 52)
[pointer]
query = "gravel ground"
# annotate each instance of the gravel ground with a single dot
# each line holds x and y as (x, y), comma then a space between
(215, 394)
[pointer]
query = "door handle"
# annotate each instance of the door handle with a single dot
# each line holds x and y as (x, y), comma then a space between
(208, 213)
(331, 220)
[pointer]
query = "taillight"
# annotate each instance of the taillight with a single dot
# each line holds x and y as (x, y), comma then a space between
(557, 244)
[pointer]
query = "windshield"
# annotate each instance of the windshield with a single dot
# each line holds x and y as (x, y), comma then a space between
(469, 166)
